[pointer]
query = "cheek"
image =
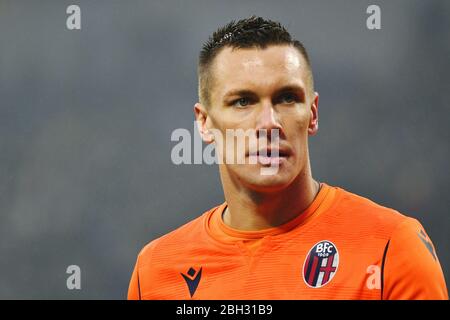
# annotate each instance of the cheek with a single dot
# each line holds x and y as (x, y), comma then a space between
(224, 118)
(296, 125)
(228, 127)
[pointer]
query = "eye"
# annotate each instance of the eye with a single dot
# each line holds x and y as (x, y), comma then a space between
(241, 102)
(288, 98)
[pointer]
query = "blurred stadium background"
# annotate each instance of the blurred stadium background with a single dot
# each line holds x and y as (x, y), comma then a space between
(86, 118)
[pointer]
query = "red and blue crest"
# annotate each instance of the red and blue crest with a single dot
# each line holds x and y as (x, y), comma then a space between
(321, 264)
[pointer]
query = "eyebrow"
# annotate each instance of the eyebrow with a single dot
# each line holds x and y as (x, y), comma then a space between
(292, 88)
(238, 92)
(247, 92)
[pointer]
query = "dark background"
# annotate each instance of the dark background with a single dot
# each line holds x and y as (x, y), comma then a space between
(86, 118)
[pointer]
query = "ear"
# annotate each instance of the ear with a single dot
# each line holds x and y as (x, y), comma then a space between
(313, 126)
(201, 117)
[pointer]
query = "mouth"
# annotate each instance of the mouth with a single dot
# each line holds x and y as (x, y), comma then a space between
(269, 156)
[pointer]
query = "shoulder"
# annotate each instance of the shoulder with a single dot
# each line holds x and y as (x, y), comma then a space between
(411, 238)
(366, 213)
(411, 267)
(174, 242)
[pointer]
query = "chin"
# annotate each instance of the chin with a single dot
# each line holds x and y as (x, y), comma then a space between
(266, 183)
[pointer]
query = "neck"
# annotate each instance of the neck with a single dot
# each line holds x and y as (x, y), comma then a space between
(251, 210)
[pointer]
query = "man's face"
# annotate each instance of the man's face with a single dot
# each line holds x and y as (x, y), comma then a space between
(261, 89)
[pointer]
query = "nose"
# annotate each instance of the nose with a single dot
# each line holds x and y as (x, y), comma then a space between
(267, 120)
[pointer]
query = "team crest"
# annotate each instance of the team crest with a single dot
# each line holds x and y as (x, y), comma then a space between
(321, 264)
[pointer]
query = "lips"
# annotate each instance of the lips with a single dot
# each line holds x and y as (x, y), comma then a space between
(269, 156)
(269, 152)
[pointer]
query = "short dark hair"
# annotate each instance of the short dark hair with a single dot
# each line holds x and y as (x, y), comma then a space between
(251, 32)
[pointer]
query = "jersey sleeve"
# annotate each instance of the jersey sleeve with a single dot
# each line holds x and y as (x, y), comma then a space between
(411, 268)
(134, 288)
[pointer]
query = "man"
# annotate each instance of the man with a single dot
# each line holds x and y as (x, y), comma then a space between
(281, 235)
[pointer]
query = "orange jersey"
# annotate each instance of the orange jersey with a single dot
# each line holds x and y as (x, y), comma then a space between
(342, 246)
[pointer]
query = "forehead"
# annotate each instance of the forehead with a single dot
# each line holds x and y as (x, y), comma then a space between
(258, 69)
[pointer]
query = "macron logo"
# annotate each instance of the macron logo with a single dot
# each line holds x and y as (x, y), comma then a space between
(427, 242)
(192, 280)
